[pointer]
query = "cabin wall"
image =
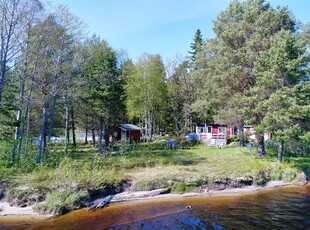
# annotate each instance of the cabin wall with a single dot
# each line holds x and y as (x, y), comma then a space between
(133, 135)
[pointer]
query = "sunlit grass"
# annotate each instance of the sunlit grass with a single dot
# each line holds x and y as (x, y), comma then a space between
(85, 174)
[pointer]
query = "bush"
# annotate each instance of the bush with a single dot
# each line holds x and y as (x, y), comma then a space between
(275, 175)
(260, 178)
(59, 203)
(181, 187)
(289, 174)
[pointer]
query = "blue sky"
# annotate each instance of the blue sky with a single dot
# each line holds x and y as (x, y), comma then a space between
(164, 27)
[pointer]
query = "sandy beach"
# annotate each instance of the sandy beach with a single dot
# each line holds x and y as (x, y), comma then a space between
(7, 210)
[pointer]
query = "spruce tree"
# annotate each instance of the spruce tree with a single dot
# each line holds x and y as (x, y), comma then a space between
(196, 45)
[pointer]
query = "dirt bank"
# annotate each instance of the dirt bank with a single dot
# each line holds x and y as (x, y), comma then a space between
(130, 196)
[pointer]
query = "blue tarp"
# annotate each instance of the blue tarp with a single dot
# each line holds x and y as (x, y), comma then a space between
(193, 136)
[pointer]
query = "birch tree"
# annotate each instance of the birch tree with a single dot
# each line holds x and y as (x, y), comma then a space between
(54, 63)
(16, 16)
(147, 93)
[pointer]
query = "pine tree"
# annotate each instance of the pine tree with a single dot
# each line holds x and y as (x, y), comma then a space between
(196, 45)
(225, 64)
(276, 97)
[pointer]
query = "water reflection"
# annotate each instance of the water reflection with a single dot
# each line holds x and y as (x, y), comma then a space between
(283, 208)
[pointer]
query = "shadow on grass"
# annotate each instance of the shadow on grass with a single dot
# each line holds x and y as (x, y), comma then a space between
(301, 162)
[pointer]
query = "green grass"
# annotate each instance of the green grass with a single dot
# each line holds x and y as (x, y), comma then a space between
(67, 182)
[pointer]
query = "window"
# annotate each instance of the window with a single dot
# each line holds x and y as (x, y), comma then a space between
(201, 130)
(222, 130)
(209, 129)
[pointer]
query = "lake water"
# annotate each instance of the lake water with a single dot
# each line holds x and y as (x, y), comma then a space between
(281, 208)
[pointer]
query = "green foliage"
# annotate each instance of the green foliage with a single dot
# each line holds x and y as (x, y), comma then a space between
(147, 92)
(196, 45)
(59, 203)
(181, 187)
(260, 178)
(251, 64)
(289, 174)
(81, 176)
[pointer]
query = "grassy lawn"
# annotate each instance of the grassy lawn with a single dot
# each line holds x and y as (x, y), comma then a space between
(71, 181)
(204, 165)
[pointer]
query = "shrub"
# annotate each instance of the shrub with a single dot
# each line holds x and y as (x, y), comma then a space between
(260, 178)
(181, 187)
(59, 203)
(275, 175)
(289, 174)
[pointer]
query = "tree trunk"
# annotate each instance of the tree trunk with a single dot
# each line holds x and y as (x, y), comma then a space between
(45, 149)
(67, 128)
(73, 127)
(261, 145)
(50, 131)
(86, 131)
(17, 134)
(241, 135)
(27, 137)
(150, 127)
(106, 140)
(280, 150)
(3, 61)
(26, 114)
(146, 136)
(191, 122)
(19, 116)
(100, 143)
(175, 118)
(93, 136)
(42, 132)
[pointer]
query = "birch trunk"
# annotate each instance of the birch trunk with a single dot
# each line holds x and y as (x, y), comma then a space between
(149, 125)
(26, 114)
(52, 119)
(67, 128)
(18, 119)
(42, 132)
(73, 127)
(146, 126)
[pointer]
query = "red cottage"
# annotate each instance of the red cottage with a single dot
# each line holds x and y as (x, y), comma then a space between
(128, 132)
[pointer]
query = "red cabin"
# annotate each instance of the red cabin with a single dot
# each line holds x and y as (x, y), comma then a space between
(128, 132)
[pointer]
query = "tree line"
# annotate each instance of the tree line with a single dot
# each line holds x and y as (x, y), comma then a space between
(55, 80)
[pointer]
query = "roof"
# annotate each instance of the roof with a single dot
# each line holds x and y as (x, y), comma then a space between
(209, 124)
(129, 127)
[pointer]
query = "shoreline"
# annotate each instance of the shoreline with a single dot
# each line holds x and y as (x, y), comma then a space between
(127, 197)
(8, 211)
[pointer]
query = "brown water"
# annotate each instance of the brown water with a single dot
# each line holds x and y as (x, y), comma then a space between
(282, 208)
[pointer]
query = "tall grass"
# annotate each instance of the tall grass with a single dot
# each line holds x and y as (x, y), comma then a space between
(65, 182)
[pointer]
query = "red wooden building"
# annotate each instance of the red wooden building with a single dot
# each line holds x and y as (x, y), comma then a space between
(128, 132)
